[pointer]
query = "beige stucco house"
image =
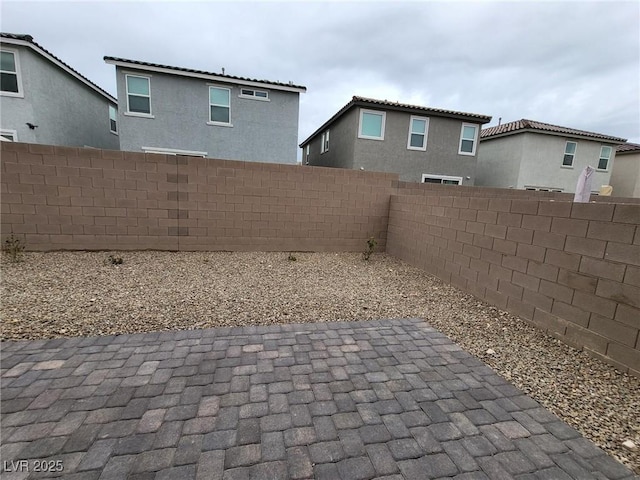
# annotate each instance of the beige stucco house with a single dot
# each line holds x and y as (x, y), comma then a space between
(625, 177)
(531, 155)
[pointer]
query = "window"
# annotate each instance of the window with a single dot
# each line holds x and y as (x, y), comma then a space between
(324, 145)
(113, 119)
(569, 154)
(468, 139)
(8, 136)
(255, 94)
(219, 105)
(9, 77)
(307, 155)
(605, 156)
(173, 151)
(138, 95)
(418, 127)
(372, 124)
(442, 179)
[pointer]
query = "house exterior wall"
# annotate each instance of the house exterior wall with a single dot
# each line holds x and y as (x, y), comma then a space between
(499, 162)
(66, 111)
(540, 161)
(391, 155)
(264, 131)
(625, 176)
(341, 144)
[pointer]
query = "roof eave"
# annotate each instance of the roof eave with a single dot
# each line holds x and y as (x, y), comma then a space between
(203, 76)
(54, 60)
(603, 139)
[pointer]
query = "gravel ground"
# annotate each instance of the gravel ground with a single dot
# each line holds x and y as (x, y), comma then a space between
(63, 294)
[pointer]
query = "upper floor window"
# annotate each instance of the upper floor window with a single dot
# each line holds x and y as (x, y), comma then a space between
(9, 73)
(605, 156)
(372, 124)
(307, 155)
(418, 127)
(138, 95)
(468, 139)
(324, 145)
(569, 154)
(219, 105)
(255, 94)
(113, 119)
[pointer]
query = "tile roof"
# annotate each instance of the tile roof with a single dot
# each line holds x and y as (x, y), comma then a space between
(627, 148)
(357, 101)
(192, 72)
(46, 53)
(521, 125)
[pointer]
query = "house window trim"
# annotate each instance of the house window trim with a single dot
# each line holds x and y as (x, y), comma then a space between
(602, 147)
(115, 109)
(173, 151)
(441, 177)
(7, 131)
(18, 73)
(573, 159)
(382, 127)
(126, 86)
(472, 153)
(411, 132)
(214, 123)
(324, 142)
(307, 149)
(253, 96)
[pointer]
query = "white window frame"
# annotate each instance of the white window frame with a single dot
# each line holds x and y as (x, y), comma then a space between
(18, 73)
(543, 189)
(211, 122)
(573, 155)
(364, 111)
(423, 148)
(475, 139)
(602, 157)
(13, 133)
(253, 94)
(441, 177)
(324, 142)
(115, 119)
(173, 151)
(126, 86)
(307, 155)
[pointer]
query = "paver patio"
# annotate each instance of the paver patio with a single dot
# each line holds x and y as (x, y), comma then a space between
(391, 399)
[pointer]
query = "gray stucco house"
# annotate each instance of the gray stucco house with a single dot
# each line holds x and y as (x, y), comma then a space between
(43, 100)
(173, 110)
(532, 155)
(421, 144)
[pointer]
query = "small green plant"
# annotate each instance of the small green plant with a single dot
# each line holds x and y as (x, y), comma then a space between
(371, 245)
(115, 260)
(291, 257)
(14, 247)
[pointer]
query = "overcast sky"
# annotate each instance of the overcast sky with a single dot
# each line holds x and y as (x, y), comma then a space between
(574, 64)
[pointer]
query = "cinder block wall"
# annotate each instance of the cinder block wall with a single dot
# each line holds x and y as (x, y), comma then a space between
(87, 199)
(572, 269)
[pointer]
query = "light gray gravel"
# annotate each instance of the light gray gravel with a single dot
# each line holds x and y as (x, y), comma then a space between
(80, 293)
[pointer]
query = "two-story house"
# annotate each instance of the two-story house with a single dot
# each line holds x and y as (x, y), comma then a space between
(43, 100)
(421, 144)
(625, 177)
(531, 155)
(173, 110)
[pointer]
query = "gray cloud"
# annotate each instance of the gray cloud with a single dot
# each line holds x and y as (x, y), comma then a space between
(575, 64)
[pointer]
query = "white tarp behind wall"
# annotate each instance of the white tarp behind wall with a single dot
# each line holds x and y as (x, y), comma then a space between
(583, 187)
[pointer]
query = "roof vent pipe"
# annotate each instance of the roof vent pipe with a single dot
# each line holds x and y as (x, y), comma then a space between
(499, 120)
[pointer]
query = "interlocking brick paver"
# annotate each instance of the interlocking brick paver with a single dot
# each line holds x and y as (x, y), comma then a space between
(388, 399)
